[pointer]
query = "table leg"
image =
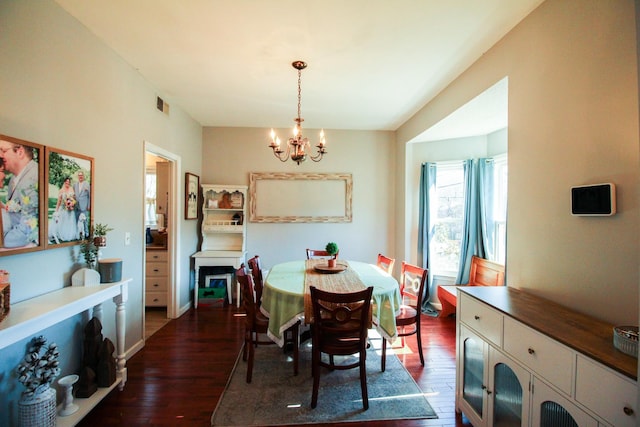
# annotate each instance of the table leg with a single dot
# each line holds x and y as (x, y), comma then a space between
(195, 288)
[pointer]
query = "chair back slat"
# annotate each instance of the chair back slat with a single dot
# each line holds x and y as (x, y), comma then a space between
(339, 317)
(386, 263)
(247, 292)
(412, 283)
(320, 253)
(255, 267)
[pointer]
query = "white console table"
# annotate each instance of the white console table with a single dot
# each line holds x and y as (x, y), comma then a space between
(29, 317)
(216, 259)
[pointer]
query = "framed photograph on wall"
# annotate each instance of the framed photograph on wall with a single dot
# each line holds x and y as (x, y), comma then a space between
(21, 196)
(191, 190)
(69, 201)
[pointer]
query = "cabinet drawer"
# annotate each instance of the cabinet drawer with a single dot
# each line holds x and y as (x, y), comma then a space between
(550, 359)
(480, 317)
(156, 269)
(156, 256)
(156, 299)
(607, 393)
(156, 284)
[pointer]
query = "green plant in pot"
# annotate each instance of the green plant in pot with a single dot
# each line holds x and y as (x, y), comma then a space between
(90, 246)
(100, 234)
(332, 249)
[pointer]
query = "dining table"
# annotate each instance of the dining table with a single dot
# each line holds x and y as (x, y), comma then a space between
(286, 299)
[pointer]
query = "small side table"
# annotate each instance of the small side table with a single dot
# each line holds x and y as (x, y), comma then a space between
(217, 259)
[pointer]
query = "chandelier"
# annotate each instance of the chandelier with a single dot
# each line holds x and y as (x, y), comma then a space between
(298, 144)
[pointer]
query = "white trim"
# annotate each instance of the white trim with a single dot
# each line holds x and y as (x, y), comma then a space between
(175, 225)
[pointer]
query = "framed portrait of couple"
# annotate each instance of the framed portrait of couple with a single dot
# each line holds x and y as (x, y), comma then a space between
(21, 207)
(69, 201)
(46, 196)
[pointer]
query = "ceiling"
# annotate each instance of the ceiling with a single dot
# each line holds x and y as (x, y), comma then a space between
(372, 64)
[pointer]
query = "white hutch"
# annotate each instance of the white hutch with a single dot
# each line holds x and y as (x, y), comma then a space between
(224, 232)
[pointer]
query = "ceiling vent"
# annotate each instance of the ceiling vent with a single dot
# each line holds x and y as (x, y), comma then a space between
(162, 106)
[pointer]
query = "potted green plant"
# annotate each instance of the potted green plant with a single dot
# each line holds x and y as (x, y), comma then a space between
(332, 249)
(100, 234)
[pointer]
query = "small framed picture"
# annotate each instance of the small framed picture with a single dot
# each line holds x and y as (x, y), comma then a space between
(192, 183)
(21, 196)
(69, 201)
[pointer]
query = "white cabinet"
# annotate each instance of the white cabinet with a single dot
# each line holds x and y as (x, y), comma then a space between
(223, 218)
(156, 278)
(618, 408)
(492, 389)
(525, 361)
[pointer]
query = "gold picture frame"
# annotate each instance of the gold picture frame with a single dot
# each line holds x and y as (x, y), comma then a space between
(21, 200)
(69, 197)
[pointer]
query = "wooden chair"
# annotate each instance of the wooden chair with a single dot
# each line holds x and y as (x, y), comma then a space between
(340, 324)
(386, 263)
(256, 325)
(412, 282)
(319, 253)
(258, 281)
(482, 273)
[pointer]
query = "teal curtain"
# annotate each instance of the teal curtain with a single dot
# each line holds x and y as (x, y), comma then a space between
(479, 223)
(425, 227)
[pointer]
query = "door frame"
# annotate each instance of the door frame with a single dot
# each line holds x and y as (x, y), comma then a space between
(173, 310)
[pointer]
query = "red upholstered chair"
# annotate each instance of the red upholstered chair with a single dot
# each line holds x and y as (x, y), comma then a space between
(256, 325)
(340, 324)
(386, 263)
(412, 282)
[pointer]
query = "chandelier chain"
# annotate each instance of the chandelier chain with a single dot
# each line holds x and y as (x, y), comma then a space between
(299, 91)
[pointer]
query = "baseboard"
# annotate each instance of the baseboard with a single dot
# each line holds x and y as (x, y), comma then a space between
(134, 349)
(184, 309)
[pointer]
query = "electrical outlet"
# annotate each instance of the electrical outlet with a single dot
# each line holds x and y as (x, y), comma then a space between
(127, 238)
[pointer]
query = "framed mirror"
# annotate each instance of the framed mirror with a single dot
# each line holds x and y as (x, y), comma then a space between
(300, 197)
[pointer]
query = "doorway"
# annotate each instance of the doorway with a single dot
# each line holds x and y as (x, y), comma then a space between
(160, 230)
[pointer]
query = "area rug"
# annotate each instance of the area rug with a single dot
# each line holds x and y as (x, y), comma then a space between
(277, 397)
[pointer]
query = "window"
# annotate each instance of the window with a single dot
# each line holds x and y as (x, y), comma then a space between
(445, 245)
(150, 200)
(500, 171)
(444, 248)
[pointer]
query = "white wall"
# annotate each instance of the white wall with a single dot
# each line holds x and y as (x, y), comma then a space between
(61, 87)
(230, 154)
(573, 119)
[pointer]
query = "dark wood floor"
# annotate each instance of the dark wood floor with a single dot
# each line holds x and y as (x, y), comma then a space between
(180, 374)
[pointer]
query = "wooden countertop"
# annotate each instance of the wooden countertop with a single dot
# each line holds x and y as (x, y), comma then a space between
(585, 334)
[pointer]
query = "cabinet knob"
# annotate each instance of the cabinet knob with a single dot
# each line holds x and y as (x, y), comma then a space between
(155, 285)
(156, 270)
(476, 317)
(531, 351)
(628, 411)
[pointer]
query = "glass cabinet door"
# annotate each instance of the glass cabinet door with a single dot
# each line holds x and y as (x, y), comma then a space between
(551, 409)
(473, 386)
(507, 397)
